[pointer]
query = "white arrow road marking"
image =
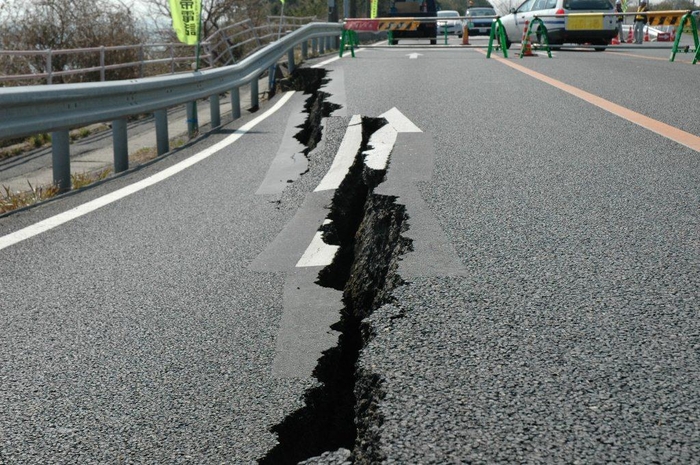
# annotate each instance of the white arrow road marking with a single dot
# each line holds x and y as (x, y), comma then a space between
(318, 253)
(345, 157)
(84, 209)
(382, 143)
(399, 121)
(414, 56)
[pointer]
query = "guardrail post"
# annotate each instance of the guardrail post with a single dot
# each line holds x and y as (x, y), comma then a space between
(254, 102)
(314, 46)
(305, 50)
(141, 54)
(235, 103)
(290, 60)
(192, 122)
(121, 145)
(322, 46)
(60, 152)
(49, 67)
(162, 139)
(102, 63)
(214, 111)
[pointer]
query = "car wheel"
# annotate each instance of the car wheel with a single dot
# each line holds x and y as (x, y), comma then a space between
(600, 49)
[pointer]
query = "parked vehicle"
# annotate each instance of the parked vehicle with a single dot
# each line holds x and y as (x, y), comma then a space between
(415, 9)
(483, 18)
(594, 30)
(449, 20)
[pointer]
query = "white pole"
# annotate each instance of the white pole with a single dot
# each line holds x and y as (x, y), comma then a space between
(279, 33)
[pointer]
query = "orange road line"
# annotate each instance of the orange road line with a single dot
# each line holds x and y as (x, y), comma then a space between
(646, 57)
(684, 138)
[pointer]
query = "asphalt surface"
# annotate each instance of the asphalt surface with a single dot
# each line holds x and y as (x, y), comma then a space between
(549, 311)
(573, 336)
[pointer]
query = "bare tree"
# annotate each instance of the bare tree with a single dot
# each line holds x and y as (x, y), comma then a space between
(216, 14)
(67, 24)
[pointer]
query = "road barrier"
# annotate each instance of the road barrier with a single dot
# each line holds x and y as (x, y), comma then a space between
(497, 28)
(57, 109)
(541, 31)
(692, 23)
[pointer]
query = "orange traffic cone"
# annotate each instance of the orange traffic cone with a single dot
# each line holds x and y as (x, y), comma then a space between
(630, 36)
(615, 41)
(646, 34)
(527, 46)
(465, 36)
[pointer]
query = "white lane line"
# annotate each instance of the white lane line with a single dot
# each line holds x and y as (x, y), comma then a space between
(318, 253)
(54, 221)
(336, 58)
(382, 142)
(352, 141)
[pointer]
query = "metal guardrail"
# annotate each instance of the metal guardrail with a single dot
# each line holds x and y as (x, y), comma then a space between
(146, 55)
(39, 109)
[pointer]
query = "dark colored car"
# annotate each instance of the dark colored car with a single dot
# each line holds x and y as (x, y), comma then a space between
(481, 23)
(415, 9)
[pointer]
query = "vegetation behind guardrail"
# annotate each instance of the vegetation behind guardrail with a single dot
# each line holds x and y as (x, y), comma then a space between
(226, 46)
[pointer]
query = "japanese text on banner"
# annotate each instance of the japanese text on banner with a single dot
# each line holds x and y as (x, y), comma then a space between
(186, 19)
(373, 11)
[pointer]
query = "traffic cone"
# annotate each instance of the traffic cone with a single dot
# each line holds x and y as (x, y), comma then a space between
(630, 36)
(465, 35)
(646, 34)
(673, 34)
(527, 46)
(615, 41)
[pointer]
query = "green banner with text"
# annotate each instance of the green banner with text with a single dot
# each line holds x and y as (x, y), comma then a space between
(186, 19)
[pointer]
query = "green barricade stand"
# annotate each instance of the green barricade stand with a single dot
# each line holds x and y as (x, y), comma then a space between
(543, 35)
(350, 38)
(688, 17)
(497, 26)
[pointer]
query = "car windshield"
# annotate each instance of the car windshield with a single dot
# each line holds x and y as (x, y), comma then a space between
(481, 12)
(587, 5)
(448, 14)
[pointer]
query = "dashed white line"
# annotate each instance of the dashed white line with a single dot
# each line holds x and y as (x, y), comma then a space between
(344, 158)
(318, 253)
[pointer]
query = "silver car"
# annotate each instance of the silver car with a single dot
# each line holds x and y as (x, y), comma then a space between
(449, 20)
(563, 25)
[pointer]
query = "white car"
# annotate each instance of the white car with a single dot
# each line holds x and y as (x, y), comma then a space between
(563, 25)
(450, 20)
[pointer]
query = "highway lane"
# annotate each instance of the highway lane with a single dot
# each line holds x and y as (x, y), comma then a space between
(548, 310)
(137, 332)
(572, 334)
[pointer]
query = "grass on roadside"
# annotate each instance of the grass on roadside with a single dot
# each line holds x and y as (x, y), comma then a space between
(13, 200)
(10, 201)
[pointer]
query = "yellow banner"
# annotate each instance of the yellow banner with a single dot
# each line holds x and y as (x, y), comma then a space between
(186, 18)
(375, 7)
(407, 24)
(665, 18)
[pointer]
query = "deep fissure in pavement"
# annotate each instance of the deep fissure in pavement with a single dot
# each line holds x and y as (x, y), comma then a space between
(317, 107)
(342, 413)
